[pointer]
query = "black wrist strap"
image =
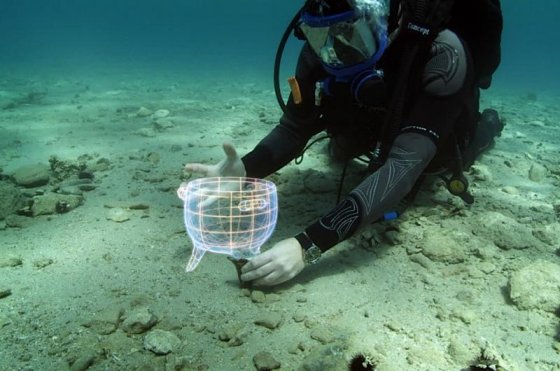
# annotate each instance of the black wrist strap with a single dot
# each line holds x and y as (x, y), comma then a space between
(304, 240)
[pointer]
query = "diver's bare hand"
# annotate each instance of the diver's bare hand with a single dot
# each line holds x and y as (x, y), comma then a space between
(279, 264)
(229, 166)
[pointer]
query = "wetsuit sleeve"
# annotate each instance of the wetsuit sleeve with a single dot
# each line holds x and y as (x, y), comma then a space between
(378, 194)
(289, 137)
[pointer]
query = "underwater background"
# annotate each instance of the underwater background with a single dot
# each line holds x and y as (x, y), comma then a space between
(102, 102)
(220, 37)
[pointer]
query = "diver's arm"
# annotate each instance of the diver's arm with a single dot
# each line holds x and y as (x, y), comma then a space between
(278, 148)
(446, 80)
(378, 194)
(289, 137)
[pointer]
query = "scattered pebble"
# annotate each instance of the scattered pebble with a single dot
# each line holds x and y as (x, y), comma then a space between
(299, 315)
(160, 113)
(163, 124)
(258, 296)
(161, 342)
(269, 320)
(143, 112)
(118, 215)
(4, 293)
(139, 321)
(10, 262)
(104, 322)
(537, 173)
(322, 335)
(265, 361)
(43, 263)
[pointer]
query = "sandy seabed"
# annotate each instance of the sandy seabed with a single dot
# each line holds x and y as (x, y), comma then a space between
(101, 284)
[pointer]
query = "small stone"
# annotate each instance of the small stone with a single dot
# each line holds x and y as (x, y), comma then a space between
(139, 206)
(139, 321)
(422, 260)
(234, 334)
(301, 299)
(264, 361)
(105, 322)
(43, 263)
(163, 124)
(322, 335)
(299, 316)
(87, 187)
(143, 112)
(10, 262)
(269, 320)
(118, 215)
(4, 293)
(537, 173)
(160, 113)
(161, 342)
(258, 296)
(441, 248)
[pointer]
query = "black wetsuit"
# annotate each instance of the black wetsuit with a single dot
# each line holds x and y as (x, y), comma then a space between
(443, 95)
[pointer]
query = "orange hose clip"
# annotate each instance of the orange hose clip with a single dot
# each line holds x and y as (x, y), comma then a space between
(294, 87)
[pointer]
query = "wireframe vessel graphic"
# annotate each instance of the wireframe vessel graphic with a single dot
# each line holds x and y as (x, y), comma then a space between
(234, 216)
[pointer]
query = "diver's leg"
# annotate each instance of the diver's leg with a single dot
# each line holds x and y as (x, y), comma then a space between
(489, 127)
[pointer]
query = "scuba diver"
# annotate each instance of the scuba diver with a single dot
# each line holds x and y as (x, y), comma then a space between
(396, 85)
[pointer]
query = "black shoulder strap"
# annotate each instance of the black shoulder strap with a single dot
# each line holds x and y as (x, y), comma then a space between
(422, 20)
(425, 18)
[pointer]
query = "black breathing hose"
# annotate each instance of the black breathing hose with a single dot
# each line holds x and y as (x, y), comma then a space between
(278, 59)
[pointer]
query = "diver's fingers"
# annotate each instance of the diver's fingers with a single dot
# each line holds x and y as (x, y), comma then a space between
(230, 151)
(197, 168)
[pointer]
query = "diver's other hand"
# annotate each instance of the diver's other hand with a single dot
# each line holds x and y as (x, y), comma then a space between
(229, 166)
(279, 264)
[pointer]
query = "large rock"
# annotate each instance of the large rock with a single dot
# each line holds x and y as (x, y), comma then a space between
(506, 233)
(55, 203)
(536, 286)
(30, 176)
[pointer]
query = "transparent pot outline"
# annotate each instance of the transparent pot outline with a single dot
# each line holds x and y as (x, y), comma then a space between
(228, 215)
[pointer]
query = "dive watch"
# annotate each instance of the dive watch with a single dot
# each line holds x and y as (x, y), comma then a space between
(311, 252)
